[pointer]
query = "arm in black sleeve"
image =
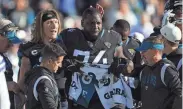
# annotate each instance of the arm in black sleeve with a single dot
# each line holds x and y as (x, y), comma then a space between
(45, 90)
(119, 53)
(174, 85)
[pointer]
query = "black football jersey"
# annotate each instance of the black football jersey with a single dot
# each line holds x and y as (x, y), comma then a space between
(32, 51)
(78, 47)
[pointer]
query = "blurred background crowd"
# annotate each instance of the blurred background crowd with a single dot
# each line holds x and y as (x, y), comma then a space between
(142, 15)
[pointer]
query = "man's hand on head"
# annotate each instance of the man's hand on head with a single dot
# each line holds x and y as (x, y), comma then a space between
(99, 8)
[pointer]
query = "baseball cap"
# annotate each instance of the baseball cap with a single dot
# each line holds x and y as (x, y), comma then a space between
(150, 45)
(9, 30)
(171, 33)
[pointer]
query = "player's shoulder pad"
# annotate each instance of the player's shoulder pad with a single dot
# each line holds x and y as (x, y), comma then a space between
(23, 48)
(114, 34)
(26, 48)
(70, 32)
(166, 61)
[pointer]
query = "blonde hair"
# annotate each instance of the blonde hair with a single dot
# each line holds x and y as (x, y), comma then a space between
(37, 27)
(155, 39)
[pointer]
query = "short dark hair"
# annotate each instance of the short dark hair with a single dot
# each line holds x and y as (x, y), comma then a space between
(52, 50)
(156, 31)
(90, 11)
(121, 23)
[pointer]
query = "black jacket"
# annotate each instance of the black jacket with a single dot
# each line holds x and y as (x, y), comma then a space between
(175, 57)
(154, 94)
(48, 95)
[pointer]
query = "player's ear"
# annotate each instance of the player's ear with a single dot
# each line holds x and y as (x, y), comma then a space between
(50, 60)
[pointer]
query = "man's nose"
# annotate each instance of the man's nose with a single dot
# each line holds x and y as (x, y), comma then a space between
(60, 65)
(94, 25)
(53, 26)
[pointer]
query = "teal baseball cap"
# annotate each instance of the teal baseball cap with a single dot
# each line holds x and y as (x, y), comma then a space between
(9, 30)
(150, 45)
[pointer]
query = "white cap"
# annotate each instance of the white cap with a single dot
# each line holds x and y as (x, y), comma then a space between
(171, 33)
(138, 36)
(4, 22)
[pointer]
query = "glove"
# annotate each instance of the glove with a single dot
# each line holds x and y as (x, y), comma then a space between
(73, 65)
(167, 17)
(118, 65)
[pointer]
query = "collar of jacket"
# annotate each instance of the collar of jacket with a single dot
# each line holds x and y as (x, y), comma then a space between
(158, 63)
(176, 52)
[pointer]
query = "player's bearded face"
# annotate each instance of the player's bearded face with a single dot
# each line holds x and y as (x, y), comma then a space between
(92, 24)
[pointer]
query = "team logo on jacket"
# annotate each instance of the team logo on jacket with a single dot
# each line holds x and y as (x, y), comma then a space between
(90, 44)
(107, 44)
(132, 51)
